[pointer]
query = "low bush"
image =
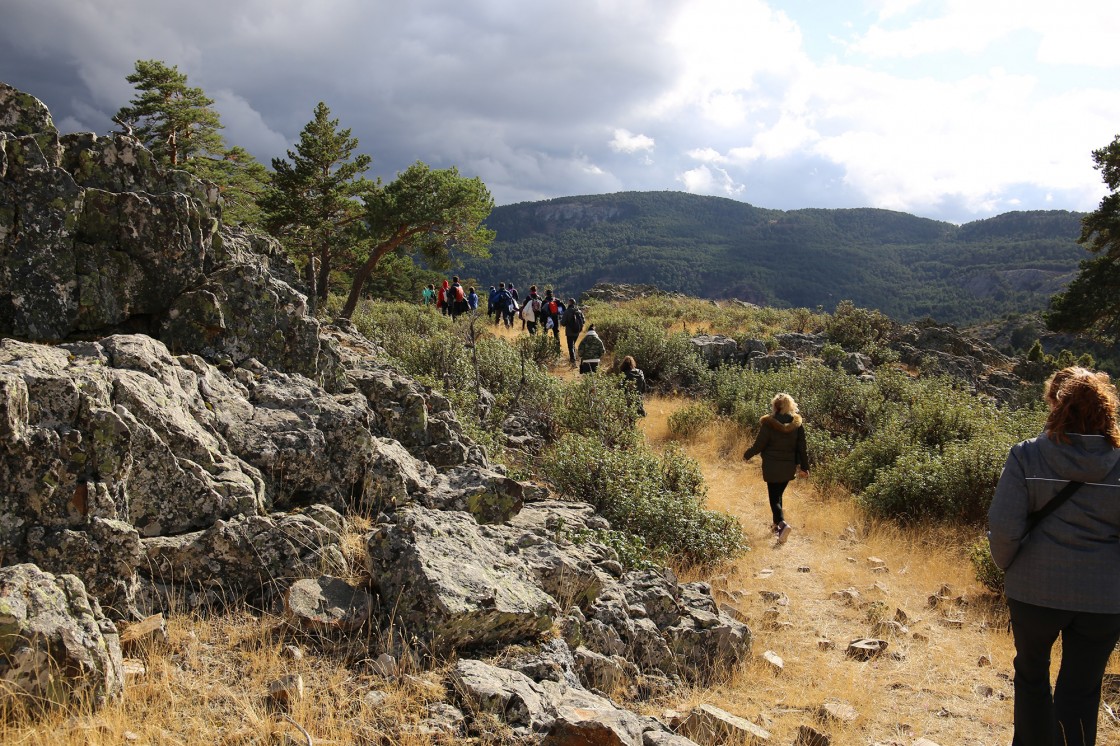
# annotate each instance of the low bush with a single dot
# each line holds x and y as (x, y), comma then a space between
(987, 572)
(659, 499)
(691, 419)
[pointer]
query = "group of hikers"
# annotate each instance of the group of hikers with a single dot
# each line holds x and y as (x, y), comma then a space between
(1061, 576)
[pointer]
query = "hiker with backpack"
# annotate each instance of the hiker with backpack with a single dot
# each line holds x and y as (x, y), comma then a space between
(553, 310)
(531, 311)
(428, 296)
(1053, 530)
(472, 300)
(573, 325)
(591, 350)
(492, 302)
(634, 380)
(457, 298)
(781, 441)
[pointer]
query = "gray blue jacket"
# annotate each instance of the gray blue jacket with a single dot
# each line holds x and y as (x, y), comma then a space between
(1071, 560)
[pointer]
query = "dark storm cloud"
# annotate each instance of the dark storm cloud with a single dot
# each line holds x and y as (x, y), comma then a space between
(523, 95)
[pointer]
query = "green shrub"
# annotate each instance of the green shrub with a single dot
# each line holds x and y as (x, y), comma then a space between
(597, 405)
(987, 572)
(691, 419)
(857, 329)
(659, 499)
(668, 360)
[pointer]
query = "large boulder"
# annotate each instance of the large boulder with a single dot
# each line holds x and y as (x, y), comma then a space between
(56, 647)
(253, 558)
(450, 582)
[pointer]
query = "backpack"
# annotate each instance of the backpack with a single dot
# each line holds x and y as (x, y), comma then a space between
(553, 307)
(536, 306)
(577, 320)
(458, 292)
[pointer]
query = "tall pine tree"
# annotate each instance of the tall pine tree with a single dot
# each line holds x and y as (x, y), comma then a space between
(173, 120)
(179, 125)
(314, 204)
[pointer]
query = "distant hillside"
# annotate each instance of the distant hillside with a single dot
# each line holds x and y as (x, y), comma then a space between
(711, 247)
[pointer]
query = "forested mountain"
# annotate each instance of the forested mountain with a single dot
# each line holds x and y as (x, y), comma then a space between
(711, 247)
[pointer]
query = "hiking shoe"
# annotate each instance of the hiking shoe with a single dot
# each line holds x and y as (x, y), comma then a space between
(783, 532)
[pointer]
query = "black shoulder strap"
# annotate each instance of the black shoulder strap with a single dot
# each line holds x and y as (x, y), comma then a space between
(1055, 503)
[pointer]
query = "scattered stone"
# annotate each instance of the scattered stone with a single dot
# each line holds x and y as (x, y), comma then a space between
(889, 627)
(287, 690)
(984, 661)
(774, 597)
(133, 668)
(848, 595)
(153, 629)
(876, 561)
(951, 622)
(881, 570)
(808, 736)
(837, 711)
(901, 616)
(853, 560)
(984, 690)
(920, 637)
(823, 643)
(586, 726)
(710, 725)
(327, 603)
(374, 698)
(774, 660)
(764, 573)
(804, 568)
(383, 666)
(733, 612)
(865, 649)
(292, 653)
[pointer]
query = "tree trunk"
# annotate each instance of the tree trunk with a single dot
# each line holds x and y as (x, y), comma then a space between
(323, 285)
(356, 286)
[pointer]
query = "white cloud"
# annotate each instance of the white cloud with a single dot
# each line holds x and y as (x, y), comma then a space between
(625, 141)
(710, 180)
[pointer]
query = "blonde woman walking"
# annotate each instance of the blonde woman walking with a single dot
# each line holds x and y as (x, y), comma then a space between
(781, 441)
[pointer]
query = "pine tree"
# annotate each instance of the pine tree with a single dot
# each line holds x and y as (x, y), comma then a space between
(178, 124)
(173, 120)
(314, 204)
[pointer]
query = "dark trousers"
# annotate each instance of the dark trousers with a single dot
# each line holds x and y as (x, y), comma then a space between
(588, 367)
(1068, 717)
(776, 490)
(571, 339)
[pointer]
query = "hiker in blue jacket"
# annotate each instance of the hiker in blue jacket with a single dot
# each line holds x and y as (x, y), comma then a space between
(1053, 528)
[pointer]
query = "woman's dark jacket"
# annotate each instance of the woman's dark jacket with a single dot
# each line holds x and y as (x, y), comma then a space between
(781, 441)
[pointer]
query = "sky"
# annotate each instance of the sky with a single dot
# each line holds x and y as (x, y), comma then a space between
(955, 110)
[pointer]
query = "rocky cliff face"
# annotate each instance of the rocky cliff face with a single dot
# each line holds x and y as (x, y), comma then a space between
(175, 430)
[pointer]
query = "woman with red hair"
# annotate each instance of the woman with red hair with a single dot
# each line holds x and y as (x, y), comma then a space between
(1054, 527)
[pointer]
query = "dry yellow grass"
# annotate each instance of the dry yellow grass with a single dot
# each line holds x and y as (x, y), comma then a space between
(948, 683)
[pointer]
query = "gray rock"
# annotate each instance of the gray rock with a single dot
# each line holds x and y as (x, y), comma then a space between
(56, 646)
(327, 603)
(716, 350)
(710, 725)
(252, 557)
(453, 585)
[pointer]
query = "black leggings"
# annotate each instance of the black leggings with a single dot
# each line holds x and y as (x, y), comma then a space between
(776, 489)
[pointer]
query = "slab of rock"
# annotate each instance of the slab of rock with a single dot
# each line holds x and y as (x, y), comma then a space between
(865, 649)
(451, 584)
(664, 738)
(710, 725)
(774, 661)
(594, 726)
(287, 690)
(841, 712)
(327, 603)
(56, 646)
(153, 629)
